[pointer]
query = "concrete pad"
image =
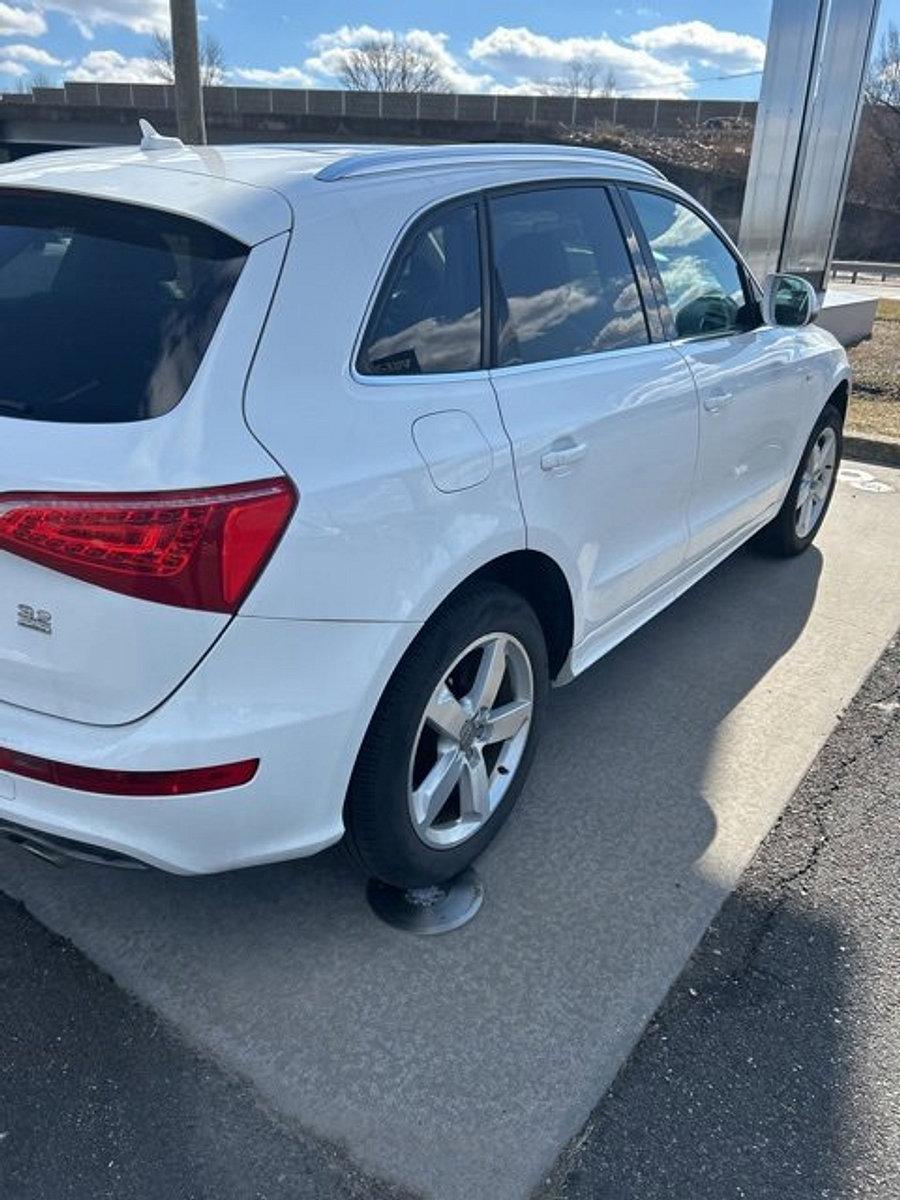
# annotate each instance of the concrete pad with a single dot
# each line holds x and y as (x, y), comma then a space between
(850, 316)
(461, 1065)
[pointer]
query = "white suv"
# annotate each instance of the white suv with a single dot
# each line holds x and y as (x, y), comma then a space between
(319, 464)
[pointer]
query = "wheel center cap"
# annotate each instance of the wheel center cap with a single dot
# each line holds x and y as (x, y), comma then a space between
(473, 731)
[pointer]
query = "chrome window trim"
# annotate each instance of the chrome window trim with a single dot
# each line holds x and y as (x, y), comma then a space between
(478, 196)
(545, 364)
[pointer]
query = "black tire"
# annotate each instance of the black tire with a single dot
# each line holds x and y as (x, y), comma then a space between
(380, 831)
(779, 539)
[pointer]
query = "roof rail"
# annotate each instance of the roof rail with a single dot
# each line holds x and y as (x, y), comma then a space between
(378, 161)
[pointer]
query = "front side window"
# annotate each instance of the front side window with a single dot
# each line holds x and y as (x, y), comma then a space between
(703, 282)
(428, 318)
(564, 280)
(106, 309)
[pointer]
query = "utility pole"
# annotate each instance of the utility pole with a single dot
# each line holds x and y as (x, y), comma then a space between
(186, 60)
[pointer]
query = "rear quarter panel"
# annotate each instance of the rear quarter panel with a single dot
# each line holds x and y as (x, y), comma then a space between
(373, 539)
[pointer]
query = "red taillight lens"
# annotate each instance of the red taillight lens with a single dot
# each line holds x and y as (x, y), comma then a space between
(129, 783)
(195, 549)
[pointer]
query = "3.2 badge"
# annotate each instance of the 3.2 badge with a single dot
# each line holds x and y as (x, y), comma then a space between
(35, 618)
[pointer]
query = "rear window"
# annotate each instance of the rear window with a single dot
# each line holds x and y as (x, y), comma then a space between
(106, 309)
(428, 319)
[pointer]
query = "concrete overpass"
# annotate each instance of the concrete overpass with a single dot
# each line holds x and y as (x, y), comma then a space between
(86, 114)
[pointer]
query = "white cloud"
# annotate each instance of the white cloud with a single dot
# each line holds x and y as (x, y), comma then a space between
(31, 54)
(333, 48)
(703, 44)
(109, 66)
(140, 16)
(20, 22)
(279, 77)
(532, 58)
(16, 69)
(659, 61)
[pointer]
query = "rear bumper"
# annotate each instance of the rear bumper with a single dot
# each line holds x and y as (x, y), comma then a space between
(298, 695)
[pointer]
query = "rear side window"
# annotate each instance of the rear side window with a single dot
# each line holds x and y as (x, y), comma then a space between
(703, 282)
(428, 317)
(564, 280)
(106, 309)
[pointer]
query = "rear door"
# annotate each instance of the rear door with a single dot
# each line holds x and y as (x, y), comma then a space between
(602, 419)
(106, 313)
(749, 384)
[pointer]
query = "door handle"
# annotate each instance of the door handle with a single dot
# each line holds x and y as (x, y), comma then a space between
(715, 401)
(562, 456)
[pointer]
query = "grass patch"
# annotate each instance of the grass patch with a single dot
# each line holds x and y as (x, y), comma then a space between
(875, 403)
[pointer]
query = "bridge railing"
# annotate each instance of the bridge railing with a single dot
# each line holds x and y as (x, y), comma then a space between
(658, 114)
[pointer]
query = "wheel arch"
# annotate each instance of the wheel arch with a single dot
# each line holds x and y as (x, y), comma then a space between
(539, 580)
(840, 398)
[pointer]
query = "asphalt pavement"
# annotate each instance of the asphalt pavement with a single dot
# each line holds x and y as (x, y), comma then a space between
(101, 1100)
(772, 1070)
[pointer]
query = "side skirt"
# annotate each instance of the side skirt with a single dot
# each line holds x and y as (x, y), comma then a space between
(607, 636)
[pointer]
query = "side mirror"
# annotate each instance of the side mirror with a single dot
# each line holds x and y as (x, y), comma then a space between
(789, 300)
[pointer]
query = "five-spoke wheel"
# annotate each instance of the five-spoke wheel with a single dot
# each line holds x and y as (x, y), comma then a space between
(816, 481)
(798, 520)
(451, 742)
(470, 741)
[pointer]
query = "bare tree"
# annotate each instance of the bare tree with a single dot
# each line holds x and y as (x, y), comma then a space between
(212, 60)
(389, 64)
(38, 79)
(582, 79)
(883, 82)
(881, 129)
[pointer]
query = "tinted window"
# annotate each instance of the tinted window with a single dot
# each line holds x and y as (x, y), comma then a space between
(565, 284)
(106, 310)
(428, 319)
(701, 277)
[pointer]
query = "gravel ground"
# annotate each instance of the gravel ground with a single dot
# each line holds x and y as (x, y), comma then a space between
(772, 1070)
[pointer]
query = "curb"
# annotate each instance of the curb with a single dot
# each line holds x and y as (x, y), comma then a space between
(872, 449)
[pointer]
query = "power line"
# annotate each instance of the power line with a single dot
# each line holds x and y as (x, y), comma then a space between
(643, 87)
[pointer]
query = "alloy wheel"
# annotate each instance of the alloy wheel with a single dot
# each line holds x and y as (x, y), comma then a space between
(815, 483)
(470, 740)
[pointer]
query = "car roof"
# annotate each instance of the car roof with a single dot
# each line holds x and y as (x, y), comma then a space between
(249, 190)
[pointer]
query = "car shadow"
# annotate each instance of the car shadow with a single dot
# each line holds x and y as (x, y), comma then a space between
(625, 759)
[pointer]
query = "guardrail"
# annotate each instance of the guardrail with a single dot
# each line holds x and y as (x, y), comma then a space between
(854, 268)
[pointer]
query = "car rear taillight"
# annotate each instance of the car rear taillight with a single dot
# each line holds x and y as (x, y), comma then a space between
(196, 549)
(129, 783)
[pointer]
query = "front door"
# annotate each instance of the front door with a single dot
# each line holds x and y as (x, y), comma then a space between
(742, 370)
(602, 422)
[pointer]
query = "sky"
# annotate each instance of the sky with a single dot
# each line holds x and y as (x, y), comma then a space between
(695, 48)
